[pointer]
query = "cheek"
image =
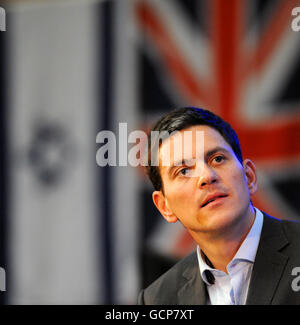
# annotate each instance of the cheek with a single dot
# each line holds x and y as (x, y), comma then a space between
(179, 200)
(241, 185)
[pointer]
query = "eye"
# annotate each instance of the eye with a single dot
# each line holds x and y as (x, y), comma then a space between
(184, 171)
(218, 159)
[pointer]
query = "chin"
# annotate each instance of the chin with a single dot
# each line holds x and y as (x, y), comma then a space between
(219, 220)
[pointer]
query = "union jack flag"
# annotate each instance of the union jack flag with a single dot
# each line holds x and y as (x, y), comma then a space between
(241, 60)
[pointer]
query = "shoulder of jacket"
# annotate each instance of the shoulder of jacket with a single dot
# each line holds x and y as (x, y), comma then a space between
(291, 229)
(169, 282)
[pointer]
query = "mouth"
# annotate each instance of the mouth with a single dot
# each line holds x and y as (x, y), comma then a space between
(213, 198)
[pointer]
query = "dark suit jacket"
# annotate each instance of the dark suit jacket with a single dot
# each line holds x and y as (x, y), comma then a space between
(277, 255)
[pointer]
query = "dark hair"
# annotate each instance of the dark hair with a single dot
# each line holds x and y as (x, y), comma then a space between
(183, 118)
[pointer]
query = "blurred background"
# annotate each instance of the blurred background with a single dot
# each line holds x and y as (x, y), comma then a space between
(76, 233)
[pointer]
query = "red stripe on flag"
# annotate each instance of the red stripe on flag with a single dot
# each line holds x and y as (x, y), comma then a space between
(272, 141)
(227, 27)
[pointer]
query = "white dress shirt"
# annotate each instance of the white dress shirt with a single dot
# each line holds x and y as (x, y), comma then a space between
(232, 288)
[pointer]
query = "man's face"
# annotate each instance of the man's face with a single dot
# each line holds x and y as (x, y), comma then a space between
(211, 194)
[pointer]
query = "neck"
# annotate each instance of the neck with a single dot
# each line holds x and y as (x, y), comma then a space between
(221, 248)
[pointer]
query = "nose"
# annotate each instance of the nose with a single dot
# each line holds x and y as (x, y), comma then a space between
(207, 177)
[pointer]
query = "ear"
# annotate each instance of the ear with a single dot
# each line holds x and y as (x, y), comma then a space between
(161, 203)
(251, 177)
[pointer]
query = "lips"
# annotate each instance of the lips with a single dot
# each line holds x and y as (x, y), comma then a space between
(211, 198)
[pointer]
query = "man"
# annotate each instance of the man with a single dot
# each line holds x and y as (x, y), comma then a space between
(243, 255)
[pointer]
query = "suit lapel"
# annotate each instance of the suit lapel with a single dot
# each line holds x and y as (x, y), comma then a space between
(193, 290)
(267, 270)
(269, 263)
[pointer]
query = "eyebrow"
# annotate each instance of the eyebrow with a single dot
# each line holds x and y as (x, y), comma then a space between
(207, 155)
(214, 150)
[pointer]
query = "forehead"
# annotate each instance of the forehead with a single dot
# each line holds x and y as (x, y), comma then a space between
(189, 143)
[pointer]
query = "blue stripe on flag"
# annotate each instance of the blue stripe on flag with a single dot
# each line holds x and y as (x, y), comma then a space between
(105, 121)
